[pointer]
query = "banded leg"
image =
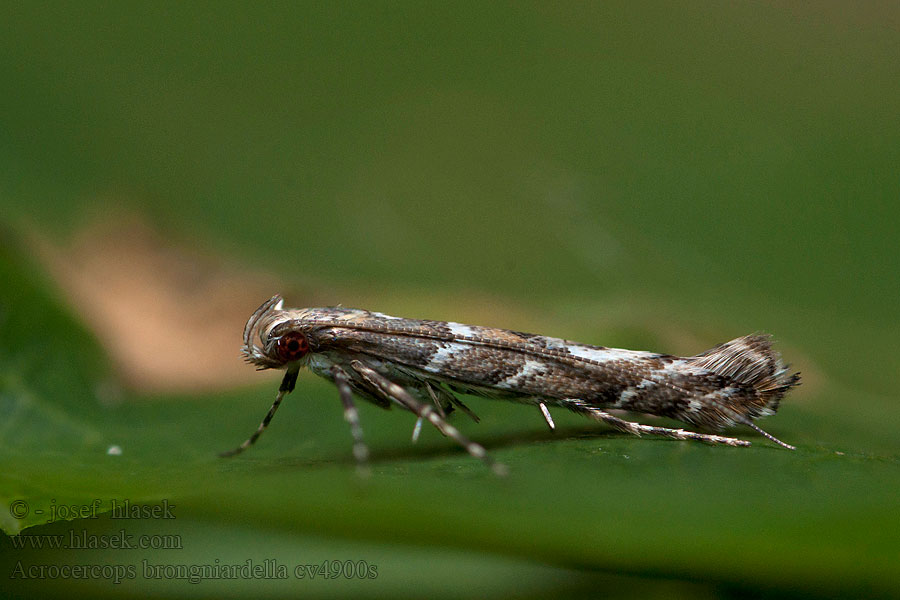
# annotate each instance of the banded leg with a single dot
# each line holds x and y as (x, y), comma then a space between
(439, 396)
(417, 429)
(437, 402)
(639, 429)
(287, 386)
(452, 400)
(351, 415)
(769, 436)
(423, 411)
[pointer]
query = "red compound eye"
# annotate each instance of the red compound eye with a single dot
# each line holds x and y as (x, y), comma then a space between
(292, 346)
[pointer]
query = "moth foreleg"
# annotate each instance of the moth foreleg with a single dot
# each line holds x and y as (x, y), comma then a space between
(287, 386)
(351, 415)
(399, 395)
(638, 428)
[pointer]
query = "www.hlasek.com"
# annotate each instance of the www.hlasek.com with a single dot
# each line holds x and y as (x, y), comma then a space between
(82, 540)
(267, 569)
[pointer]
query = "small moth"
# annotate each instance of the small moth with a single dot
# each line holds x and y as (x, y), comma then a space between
(421, 366)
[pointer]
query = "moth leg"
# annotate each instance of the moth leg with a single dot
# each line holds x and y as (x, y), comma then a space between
(403, 398)
(547, 417)
(351, 415)
(417, 429)
(287, 386)
(769, 436)
(452, 401)
(457, 402)
(638, 429)
(437, 402)
(436, 394)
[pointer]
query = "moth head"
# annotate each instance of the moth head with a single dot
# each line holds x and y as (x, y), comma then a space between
(282, 342)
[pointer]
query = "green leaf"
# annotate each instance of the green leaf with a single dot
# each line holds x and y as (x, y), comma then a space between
(580, 498)
(611, 173)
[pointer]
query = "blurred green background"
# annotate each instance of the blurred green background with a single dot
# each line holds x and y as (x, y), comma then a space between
(609, 171)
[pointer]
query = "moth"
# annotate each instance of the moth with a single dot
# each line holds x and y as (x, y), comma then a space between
(421, 366)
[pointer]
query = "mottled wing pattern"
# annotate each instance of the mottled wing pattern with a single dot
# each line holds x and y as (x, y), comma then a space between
(418, 364)
(716, 389)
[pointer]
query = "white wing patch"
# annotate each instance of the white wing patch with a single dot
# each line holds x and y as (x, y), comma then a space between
(530, 368)
(446, 352)
(463, 331)
(602, 355)
(388, 317)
